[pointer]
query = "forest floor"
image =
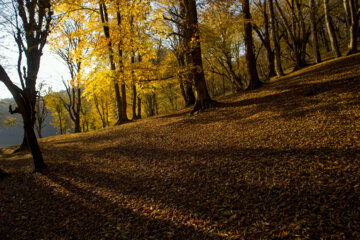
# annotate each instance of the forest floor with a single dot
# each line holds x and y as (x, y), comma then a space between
(280, 162)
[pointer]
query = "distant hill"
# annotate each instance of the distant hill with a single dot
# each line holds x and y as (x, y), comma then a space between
(14, 135)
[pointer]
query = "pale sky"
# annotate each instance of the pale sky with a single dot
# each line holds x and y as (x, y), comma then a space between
(52, 70)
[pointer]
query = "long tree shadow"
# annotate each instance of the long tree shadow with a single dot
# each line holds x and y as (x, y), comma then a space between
(56, 209)
(235, 189)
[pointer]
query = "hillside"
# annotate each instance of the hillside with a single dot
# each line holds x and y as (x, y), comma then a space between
(280, 162)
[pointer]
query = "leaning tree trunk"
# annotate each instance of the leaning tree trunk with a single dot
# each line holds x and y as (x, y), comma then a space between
(36, 17)
(203, 99)
(33, 143)
(331, 30)
(249, 51)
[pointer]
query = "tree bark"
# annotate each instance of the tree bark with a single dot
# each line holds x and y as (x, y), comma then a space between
(33, 144)
(266, 41)
(354, 25)
(134, 98)
(249, 50)
(105, 22)
(331, 30)
(203, 99)
(185, 84)
(36, 17)
(314, 36)
(275, 39)
(139, 108)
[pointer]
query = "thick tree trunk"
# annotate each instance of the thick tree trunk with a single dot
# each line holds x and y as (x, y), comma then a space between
(190, 97)
(331, 30)
(203, 99)
(34, 147)
(275, 39)
(249, 51)
(269, 52)
(299, 58)
(271, 59)
(314, 36)
(36, 20)
(27, 109)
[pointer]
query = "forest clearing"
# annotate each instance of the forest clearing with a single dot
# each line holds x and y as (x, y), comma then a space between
(278, 162)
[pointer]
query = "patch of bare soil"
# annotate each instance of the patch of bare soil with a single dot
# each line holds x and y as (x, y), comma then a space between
(280, 162)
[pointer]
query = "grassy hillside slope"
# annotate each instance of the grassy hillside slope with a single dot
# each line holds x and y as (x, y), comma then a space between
(279, 162)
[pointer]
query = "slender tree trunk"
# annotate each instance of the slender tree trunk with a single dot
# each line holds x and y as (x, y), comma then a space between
(331, 30)
(303, 35)
(189, 93)
(78, 110)
(124, 103)
(275, 39)
(105, 21)
(61, 125)
(314, 36)
(203, 99)
(139, 108)
(324, 40)
(347, 14)
(134, 97)
(254, 81)
(354, 26)
(182, 89)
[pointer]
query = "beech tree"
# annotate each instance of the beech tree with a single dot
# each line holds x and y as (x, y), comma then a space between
(352, 17)
(254, 81)
(68, 46)
(192, 33)
(32, 27)
(331, 30)
(275, 39)
(314, 35)
(264, 36)
(178, 42)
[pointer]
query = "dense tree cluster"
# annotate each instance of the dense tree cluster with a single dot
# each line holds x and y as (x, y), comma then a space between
(130, 59)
